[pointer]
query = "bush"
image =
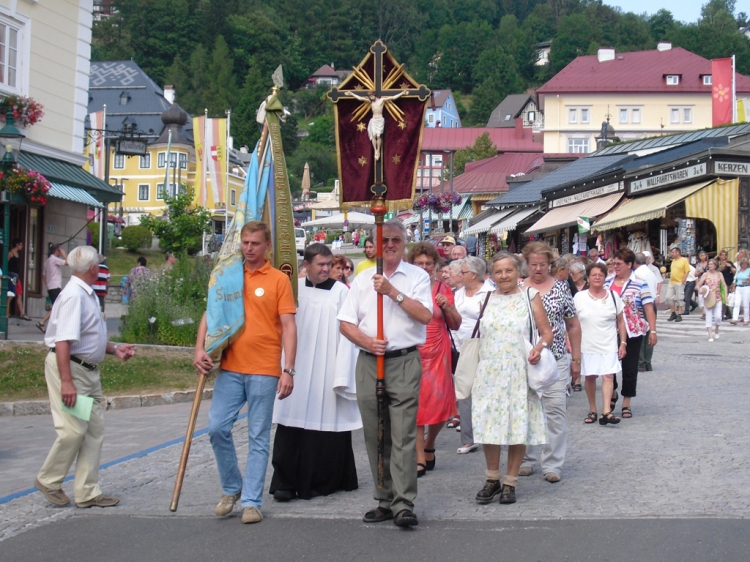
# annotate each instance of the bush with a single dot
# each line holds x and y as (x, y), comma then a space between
(136, 237)
(168, 305)
(94, 230)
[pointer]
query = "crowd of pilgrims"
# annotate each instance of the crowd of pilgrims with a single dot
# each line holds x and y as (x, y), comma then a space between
(594, 319)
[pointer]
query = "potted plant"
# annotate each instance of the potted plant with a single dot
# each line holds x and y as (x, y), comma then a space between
(25, 185)
(26, 111)
(437, 202)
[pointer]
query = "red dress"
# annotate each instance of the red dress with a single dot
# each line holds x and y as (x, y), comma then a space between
(437, 398)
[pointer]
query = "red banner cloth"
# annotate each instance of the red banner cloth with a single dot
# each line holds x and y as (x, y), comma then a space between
(721, 79)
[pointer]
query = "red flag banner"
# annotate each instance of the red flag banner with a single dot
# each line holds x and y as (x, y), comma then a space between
(402, 134)
(721, 79)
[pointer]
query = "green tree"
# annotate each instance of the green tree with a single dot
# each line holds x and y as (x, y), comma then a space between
(573, 38)
(633, 33)
(661, 24)
(458, 49)
(501, 78)
(322, 160)
(182, 224)
(111, 40)
(245, 130)
(482, 148)
(220, 90)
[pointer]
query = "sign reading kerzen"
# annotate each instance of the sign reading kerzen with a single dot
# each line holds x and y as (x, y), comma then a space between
(733, 168)
(667, 179)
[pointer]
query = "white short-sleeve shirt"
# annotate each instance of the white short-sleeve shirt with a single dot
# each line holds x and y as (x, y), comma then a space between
(401, 331)
(76, 318)
(598, 320)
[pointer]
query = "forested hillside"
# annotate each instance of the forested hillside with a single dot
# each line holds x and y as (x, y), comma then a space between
(220, 53)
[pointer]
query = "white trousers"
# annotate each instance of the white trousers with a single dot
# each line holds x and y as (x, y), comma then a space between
(742, 297)
(554, 401)
(713, 315)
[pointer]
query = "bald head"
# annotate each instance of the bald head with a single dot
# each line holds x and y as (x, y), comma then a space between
(458, 252)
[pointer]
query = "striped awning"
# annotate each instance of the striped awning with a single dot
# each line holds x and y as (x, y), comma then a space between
(646, 208)
(74, 194)
(719, 203)
(511, 222)
(562, 217)
(485, 224)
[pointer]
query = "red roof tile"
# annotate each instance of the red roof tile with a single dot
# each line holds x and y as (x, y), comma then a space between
(490, 175)
(641, 71)
(325, 70)
(439, 139)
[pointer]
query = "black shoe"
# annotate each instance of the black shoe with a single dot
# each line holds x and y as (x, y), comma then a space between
(406, 518)
(649, 368)
(672, 317)
(508, 495)
(608, 418)
(693, 306)
(378, 515)
(284, 495)
(488, 493)
(679, 318)
(430, 465)
(421, 470)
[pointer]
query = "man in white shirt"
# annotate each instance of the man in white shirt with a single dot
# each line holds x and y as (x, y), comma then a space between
(657, 274)
(644, 273)
(594, 256)
(407, 309)
(77, 338)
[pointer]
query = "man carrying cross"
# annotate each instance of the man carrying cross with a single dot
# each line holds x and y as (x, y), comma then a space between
(376, 126)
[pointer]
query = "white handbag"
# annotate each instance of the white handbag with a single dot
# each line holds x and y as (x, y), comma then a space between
(544, 374)
(468, 360)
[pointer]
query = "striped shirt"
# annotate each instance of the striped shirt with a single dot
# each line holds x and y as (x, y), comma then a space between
(76, 318)
(635, 294)
(102, 283)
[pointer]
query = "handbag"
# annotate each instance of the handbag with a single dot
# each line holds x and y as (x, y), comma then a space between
(454, 351)
(468, 360)
(544, 374)
(709, 300)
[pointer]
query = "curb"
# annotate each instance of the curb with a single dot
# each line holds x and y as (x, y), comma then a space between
(41, 407)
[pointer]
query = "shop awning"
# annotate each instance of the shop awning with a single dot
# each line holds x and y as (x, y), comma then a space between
(511, 222)
(485, 224)
(562, 217)
(75, 194)
(719, 203)
(646, 208)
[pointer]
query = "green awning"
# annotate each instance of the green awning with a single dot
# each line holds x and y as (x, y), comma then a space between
(75, 194)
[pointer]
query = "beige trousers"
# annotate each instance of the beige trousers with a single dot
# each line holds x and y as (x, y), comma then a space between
(77, 440)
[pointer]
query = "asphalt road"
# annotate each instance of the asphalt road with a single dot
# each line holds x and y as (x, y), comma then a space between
(117, 538)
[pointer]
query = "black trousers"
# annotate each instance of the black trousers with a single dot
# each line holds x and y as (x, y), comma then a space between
(630, 367)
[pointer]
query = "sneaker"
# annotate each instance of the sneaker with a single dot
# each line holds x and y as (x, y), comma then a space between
(56, 497)
(716, 336)
(251, 515)
(100, 501)
(526, 471)
(679, 318)
(226, 504)
(710, 339)
(488, 493)
(508, 495)
(672, 317)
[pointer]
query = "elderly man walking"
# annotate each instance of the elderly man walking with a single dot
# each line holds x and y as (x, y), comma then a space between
(407, 309)
(77, 338)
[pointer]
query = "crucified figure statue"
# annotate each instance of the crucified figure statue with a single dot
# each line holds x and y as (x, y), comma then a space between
(376, 126)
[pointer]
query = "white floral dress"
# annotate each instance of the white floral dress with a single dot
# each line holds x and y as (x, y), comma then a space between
(504, 411)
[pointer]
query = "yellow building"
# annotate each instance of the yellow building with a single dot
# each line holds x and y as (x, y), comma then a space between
(644, 94)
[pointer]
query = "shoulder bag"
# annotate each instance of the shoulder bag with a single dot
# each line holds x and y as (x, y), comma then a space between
(454, 351)
(468, 360)
(544, 374)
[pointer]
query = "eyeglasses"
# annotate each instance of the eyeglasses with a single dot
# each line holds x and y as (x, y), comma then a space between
(394, 240)
(349, 267)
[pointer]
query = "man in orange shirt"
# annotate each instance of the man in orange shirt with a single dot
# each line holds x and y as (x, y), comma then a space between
(250, 371)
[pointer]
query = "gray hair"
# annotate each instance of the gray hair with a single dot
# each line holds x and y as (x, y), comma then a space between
(455, 265)
(81, 258)
(558, 264)
(397, 224)
(507, 256)
(640, 258)
(476, 265)
(577, 267)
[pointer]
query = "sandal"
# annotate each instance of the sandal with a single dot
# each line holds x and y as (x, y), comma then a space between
(608, 418)
(627, 412)
(421, 470)
(591, 418)
(577, 387)
(613, 400)
(429, 465)
(25, 317)
(454, 422)
(41, 327)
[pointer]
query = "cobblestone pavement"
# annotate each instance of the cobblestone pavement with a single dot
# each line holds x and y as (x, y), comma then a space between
(682, 455)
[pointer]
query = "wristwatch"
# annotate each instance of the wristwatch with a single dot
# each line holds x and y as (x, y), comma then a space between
(400, 298)
(544, 344)
(291, 372)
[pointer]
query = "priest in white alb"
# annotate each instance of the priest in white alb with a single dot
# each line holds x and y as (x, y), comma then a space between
(312, 451)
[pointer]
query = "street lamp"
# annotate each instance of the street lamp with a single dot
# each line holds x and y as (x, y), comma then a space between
(11, 138)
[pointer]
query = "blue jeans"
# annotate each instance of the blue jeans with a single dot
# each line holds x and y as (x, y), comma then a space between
(231, 391)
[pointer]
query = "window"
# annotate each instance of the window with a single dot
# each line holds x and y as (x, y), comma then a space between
(635, 115)
(161, 159)
(183, 161)
(145, 162)
(687, 115)
(707, 80)
(143, 192)
(233, 197)
(572, 116)
(674, 115)
(160, 191)
(430, 118)
(9, 57)
(578, 146)
(623, 115)
(584, 115)
(119, 161)
(673, 79)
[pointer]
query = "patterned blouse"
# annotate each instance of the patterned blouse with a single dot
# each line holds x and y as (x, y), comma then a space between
(635, 294)
(558, 303)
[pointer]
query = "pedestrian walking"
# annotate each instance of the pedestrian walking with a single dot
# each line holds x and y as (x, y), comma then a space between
(407, 309)
(578, 276)
(678, 272)
(504, 411)
(52, 278)
(601, 317)
(710, 285)
(471, 244)
(101, 287)
(644, 273)
(77, 341)
(250, 372)
(742, 292)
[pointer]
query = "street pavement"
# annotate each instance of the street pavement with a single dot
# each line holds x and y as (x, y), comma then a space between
(667, 484)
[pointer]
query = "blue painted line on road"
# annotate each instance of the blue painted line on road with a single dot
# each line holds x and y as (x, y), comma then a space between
(127, 458)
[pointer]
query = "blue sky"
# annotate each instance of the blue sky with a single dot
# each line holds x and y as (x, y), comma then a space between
(682, 10)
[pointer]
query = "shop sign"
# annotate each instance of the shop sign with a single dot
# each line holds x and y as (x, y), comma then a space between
(132, 147)
(732, 168)
(585, 195)
(669, 178)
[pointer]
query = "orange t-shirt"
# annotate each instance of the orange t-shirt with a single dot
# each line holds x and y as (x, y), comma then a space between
(267, 294)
